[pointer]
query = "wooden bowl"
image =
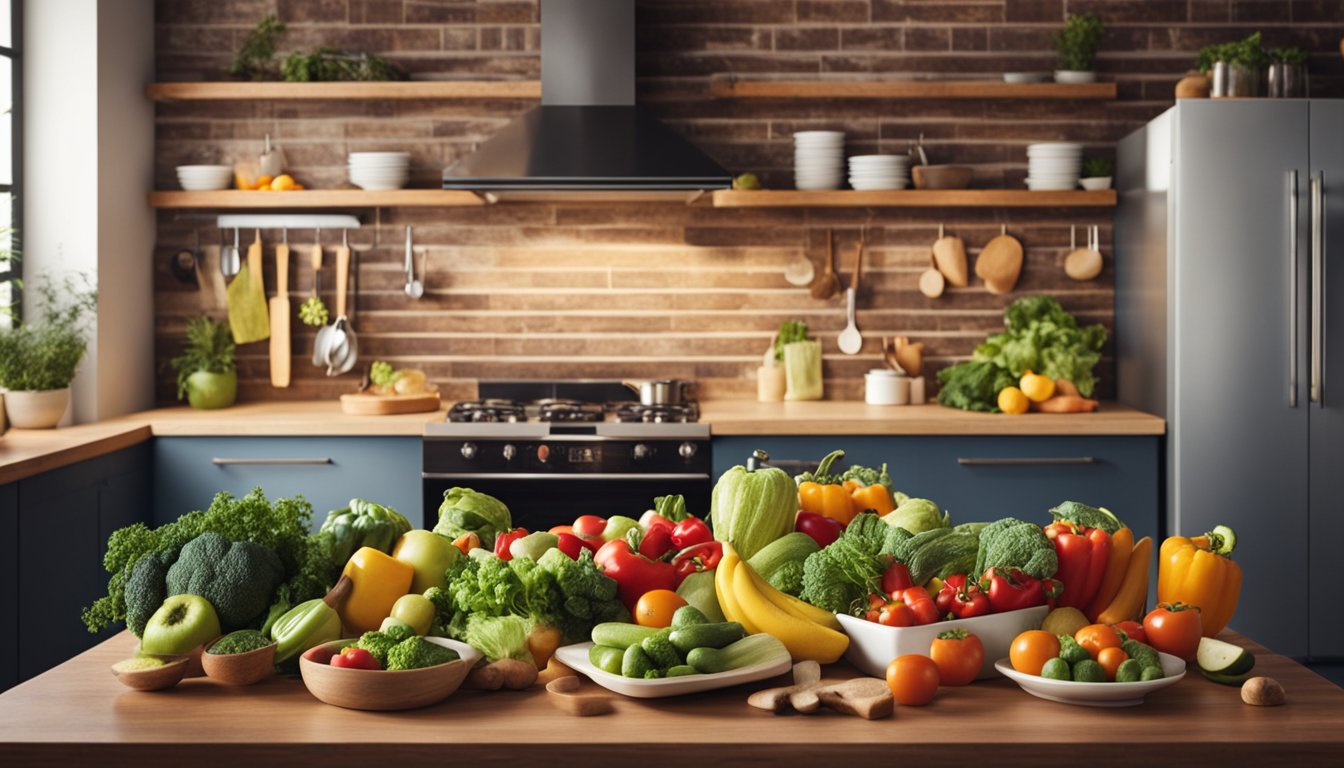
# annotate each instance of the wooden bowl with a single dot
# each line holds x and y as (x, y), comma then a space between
(942, 176)
(240, 668)
(155, 678)
(381, 690)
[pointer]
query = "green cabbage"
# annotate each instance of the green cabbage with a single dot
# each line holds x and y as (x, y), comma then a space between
(751, 509)
(467, 511)
(918, 516)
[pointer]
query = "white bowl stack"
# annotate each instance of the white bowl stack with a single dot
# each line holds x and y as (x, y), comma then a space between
(1054, 166)
(818, 159)
(879, 171)
(205, 178)
(379, 170)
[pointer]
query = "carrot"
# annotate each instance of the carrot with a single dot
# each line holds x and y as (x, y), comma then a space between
(1122, 545)
(467, 542)
(1065, 387)
(1067, 404)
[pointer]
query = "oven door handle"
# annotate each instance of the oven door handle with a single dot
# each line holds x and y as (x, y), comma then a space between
(574, 476)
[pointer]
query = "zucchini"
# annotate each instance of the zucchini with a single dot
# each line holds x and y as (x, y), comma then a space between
(1223, 658)
(606, 658)
(750, 650)
(688, 616)
(619, 634)
(718, 635)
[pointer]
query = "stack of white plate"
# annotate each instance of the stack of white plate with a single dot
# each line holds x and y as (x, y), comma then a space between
(818, 159)
(204, 178)
(379, 170)
(1054, 166)
(879, 171)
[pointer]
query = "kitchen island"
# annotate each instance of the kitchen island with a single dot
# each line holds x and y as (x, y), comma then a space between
(79, 713)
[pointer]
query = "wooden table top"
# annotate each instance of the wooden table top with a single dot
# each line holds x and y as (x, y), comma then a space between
(78, 713)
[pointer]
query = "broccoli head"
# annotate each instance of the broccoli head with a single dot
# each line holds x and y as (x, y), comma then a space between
(417, 653)
(376, 643)
(145, 589)
(1013, 543)
(237, 577)
(788, 578)
(399, 632)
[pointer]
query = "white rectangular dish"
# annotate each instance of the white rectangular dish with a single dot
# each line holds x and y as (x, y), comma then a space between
(872, 646)
(576, 658)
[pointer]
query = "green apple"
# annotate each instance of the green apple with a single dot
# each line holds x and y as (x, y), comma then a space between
(413, 609)
(430, 554)
(181, 623)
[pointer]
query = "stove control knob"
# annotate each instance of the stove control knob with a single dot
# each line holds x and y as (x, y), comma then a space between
(468, 451)
(686, 450)
(543, 453)
(509, 452)
(642, 452)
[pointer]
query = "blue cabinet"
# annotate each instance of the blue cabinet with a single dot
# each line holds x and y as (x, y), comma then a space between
(327, 471)
(985, 478)
(9, 585)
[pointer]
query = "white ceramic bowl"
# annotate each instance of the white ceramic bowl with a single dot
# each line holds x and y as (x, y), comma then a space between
(203, 178)
(1094, 694)
(872, 646)
(1026, 77)
(1096, 183)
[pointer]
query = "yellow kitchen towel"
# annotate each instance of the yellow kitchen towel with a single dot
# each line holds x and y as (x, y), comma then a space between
(248, 318)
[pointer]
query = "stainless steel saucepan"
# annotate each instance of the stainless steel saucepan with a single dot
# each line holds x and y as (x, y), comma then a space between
(663, 391)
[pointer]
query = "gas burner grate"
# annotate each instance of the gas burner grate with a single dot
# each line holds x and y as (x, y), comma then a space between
(569, 411)
(490, 410)
(656, 414)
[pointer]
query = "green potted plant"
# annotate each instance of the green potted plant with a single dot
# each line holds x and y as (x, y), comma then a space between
(1288, 73)
(1236, 69)
(38, 359)
(1077, 46)
(1097, 173)
(205, 369)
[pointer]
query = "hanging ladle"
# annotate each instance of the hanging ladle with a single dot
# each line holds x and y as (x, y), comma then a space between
(414, 288)
(230, 258)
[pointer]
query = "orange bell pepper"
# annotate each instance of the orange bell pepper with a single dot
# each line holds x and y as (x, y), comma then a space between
(824, 494)
(875, 497)
(1196, 571)
(831, 501)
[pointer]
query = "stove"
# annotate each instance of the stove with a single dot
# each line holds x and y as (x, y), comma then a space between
(552, 451)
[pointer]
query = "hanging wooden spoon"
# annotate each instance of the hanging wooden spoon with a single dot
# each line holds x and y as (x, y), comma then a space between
(828, 285)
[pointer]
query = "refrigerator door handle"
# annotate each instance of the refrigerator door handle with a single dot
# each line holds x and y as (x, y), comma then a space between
(1317, 386)
(1292, 288)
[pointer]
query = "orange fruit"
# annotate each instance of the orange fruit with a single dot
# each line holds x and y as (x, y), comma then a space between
(655, 608)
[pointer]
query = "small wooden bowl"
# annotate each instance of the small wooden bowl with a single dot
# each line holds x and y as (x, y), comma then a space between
(942, 176)
(155, 678)
(240, 668)
(381, 690)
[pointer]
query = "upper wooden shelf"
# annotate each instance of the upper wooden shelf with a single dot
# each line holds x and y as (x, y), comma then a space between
(912, 198)
(395, 90)
(315, 198)
(732, 88)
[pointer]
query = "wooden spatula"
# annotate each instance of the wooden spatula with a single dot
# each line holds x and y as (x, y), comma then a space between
(279, 306)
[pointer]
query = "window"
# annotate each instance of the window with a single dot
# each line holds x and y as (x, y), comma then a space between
(11, 170)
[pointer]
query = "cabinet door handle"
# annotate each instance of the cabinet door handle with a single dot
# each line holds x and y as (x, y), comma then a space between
(577, 477)
(224, 462)
(1292, 288)
(1317, 384)
(1025, 462)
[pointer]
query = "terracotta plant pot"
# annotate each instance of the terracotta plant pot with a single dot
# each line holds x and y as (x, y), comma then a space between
(36, 409)
(207, 390)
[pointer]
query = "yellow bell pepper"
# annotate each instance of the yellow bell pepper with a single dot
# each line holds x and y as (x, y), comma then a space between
(377, 581)
(1197, 571)
(824, 494)
(831, 501)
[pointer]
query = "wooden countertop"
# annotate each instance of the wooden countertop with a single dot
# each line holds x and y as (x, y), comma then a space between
(24, 453)
(79, 713)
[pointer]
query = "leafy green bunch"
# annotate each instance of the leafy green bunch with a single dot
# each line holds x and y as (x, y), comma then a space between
(1077, 42)
(789, 332)
(1042, 337)
(255, 59)
(44, 356)
(1247, 53)
(209, 348)
(1097, 167)
(327, 63)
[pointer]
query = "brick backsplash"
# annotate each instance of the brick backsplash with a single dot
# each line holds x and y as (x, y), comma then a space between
(663, 290)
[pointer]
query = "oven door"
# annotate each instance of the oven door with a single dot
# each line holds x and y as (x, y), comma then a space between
(538, 503)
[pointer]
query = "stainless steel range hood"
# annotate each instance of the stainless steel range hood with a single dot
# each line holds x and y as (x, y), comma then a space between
(587, 134)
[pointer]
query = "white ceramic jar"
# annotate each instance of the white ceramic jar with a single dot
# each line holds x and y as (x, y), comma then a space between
(886, 387)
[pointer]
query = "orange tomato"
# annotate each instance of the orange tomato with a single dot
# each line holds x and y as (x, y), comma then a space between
(959, 656)
(1110, 660)
(655, 608)
(913, 679)
(1094, 637)
(1031, 649)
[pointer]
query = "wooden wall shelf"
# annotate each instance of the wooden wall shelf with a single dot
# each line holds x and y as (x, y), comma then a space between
(913, 198)
(397, 90)
(731, 88)
(232, 199)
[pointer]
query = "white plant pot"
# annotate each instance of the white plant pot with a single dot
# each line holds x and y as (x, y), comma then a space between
(36, 409)
(1074, 76)
(1096, 183)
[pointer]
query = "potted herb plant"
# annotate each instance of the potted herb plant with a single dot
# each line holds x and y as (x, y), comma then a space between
(1236, 69)
(1288, 73)
(1097, 173)
(38, 359)
(1077, 46)
(205, 369)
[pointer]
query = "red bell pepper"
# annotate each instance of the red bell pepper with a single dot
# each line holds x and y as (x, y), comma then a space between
(823, 530)
(650, 520)
(922, 608)
(895, 579)
(690, 532)
(570, 544)
(1096, 568)
(503, 540)
(633, 573)
(656, 542)
(1012, 590)
(355, 658)
(1075, 561)
(704, 556)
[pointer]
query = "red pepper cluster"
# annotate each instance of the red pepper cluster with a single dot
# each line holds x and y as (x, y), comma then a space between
(1083, 554)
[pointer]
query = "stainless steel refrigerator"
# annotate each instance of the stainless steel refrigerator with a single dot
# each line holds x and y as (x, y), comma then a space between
(1229, 263)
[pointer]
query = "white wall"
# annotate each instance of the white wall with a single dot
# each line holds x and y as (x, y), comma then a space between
(88, 166)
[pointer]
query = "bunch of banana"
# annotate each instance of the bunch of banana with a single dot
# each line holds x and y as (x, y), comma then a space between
(806, 630)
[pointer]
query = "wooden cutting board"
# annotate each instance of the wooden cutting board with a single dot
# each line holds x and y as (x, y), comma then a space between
(279, 315)
(366, 404)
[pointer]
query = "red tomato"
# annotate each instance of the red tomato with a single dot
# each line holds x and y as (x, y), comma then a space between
(1175, 629)
(896, 615)
(1031, 649)
(1110, 660)
(1094, 637)
(355, 658)
(1133, 630)
(590, 525)
(913, 679)
(959, 656)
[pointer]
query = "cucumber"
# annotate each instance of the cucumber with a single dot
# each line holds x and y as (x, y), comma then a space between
(661, 651)
(1129, 671)
(688, 616)
(1223, 679)
(618, 634)
(636, 663)
(745, 652)
(718, 635)
(1223, 658)
(606, 658)
(682, 670)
